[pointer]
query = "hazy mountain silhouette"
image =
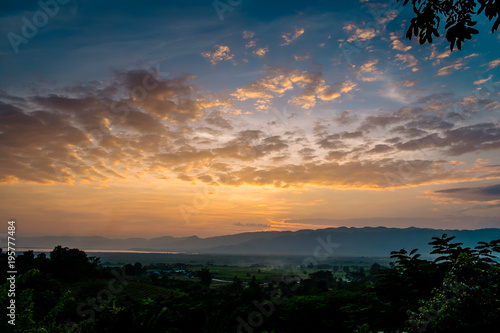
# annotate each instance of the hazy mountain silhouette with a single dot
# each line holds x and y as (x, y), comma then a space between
(343, 241)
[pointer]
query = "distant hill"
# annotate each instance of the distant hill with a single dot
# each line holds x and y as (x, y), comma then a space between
(341, 241)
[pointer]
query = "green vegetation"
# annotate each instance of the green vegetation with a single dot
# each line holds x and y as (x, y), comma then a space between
(455, 291)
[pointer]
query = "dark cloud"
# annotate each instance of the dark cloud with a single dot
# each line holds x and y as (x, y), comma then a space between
(307, 154)
(136, 123)
(331, 142)
(428, 141)
(337, 155)
(434, 97)
(30, 142)
(486, 193)
(485, 136)
(394, 140)
(180, 157)
(251, 145)
(411, 132)
(379, 149)
(96, 130)
(472, 138)
(175, 99)
(185, 177)
(351, 135)
(346, 117)
(215, 118)
(205, 178)
(320, 129)
(430, 122)
(384, 173)
(381, 121)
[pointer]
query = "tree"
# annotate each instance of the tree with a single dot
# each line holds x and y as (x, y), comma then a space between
(205, 276)
(71, 264)
(324, 277)
(138, 269)
(467, 300)
(458, 15)
(374, 268)
(456, 292)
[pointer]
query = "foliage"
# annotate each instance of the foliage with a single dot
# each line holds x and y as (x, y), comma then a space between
(457, 290)
(205, 277)
(469, 297)
(458, 15)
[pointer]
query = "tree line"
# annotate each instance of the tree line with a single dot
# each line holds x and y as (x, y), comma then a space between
(68, 291)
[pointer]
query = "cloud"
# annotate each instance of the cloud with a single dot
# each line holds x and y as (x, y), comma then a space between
(397, 44)
(345, 118)
(168, 99)
(337, 155)
(302, 57)
(379, 121)
(250, 145)
(277, 81)
(471, 55)
(250, 44)
(135, 125)
(274, 83)
(215, 118)
(380, 149)
(479, 82)
(331, 142)
(30, 143)
(493, 64)
(248, 34)
(368, 68)
(430, 122)
(468, 198)
(386, 173)
(410, 132)
(289, 37)
(261, 51)
(407, 83)
(97, 131)
(221, 53)
(447, 70)
(238, 224)
(407, 59)
(459, 141)
(437, 57)
(307, 154)
(486, 193)
(351, 135)
(359, 34)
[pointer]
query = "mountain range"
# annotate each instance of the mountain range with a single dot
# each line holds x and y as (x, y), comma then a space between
(341, 241)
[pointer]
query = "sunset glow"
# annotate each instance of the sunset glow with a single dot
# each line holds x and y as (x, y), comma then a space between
(185, 118)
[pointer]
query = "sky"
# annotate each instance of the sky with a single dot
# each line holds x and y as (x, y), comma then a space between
(210, 118)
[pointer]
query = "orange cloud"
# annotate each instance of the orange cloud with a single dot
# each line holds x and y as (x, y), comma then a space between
(289, 37)
(221, 53)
